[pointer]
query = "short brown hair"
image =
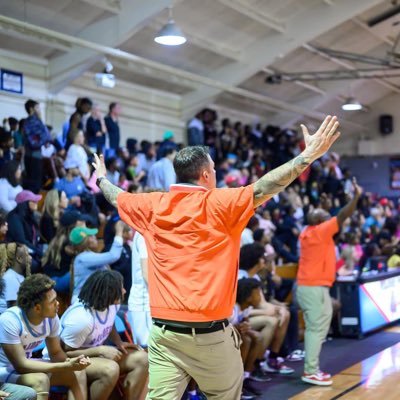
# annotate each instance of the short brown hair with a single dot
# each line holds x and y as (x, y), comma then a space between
(33, 291)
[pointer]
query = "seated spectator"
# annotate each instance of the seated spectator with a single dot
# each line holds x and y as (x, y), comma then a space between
(138, 302)
(162, 173)
(77, 155)
(271, 320)
(124, 264)
(3, 227)
(10, 177)
(88, 324)
(16, 264)
(6, 144)
(247, 234)
(146, 158)
(167, 143)
(22, 225)
(252, 344)
(23, 328)
(59, 255)
(72, 184)
(55, 203)
(131, 172)
(350, 255)
(87, 259)
(113, 172)
(16, 128)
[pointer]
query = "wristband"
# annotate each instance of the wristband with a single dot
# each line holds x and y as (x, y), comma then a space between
(98, 180)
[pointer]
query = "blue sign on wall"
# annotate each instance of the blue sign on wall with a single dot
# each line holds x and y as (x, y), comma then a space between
(11, 81)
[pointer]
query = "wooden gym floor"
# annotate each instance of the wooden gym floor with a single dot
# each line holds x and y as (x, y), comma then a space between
(375, 378)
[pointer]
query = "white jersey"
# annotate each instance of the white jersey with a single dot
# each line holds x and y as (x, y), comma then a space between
(139, 295)
(83, 327)
(12, 281)
(15, 328)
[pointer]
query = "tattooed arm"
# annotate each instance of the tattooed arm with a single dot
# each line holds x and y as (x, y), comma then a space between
(109, 190)
(316, 145)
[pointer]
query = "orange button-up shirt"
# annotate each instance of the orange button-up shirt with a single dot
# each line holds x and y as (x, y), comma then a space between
(193, 240)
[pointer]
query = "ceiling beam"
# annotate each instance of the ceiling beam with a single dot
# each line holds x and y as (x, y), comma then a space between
(349, 66)
(135, 67)
(256, 15)
(305, 26)
(32, 36)
(113, 6)
(305, 85)
(269, 102)
(110, 32)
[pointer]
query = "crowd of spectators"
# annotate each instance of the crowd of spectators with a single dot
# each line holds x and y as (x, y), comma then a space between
(52, 213)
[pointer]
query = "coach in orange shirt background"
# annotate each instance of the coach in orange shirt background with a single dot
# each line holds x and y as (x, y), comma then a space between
(192, 235)
(316, 274)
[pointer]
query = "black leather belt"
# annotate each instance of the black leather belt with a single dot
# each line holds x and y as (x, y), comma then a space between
(214, 327)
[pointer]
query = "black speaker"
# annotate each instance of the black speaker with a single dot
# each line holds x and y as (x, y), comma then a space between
(385, 124)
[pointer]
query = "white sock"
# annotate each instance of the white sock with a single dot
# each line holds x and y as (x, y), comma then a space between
(246, 374)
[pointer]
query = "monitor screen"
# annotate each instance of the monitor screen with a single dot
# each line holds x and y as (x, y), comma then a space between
(379, 303)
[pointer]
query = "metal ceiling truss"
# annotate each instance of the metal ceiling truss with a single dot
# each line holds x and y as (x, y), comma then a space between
(388, 67)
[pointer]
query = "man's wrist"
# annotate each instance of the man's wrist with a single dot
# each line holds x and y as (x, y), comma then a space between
(310, 158)
(99, 180)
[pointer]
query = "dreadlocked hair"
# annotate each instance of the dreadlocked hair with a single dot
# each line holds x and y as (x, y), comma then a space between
(245, 288)
(101, 290)
(33, 291)
(8, 254)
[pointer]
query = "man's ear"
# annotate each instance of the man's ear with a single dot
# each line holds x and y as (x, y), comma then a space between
(37, 308)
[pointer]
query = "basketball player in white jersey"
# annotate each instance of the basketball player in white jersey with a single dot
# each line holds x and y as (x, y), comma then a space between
(27, 325)
(85, 327)
(138, 302)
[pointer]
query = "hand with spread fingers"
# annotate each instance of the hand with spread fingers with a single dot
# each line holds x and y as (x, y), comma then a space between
(321, 141)
(99, 166)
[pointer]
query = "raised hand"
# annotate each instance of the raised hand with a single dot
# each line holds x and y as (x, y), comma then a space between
(358, 190)
(99, 166)
(321, 141)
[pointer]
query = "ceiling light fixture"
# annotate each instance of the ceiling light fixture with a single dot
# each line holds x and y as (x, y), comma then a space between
(170, 34)
(351, 104)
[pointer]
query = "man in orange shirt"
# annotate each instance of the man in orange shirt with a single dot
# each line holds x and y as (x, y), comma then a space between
(192, 235)
(316, 274)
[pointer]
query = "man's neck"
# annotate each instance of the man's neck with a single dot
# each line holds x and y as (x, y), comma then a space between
(69, 177)
(33, 318)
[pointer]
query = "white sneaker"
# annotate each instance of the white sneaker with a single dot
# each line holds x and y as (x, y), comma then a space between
(319, 379)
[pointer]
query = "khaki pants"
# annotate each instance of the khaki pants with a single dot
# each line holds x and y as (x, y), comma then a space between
(316, 305)
(211, 359)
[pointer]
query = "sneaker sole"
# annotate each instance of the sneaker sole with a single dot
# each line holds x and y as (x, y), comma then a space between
(314, 382)
(286, 373)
